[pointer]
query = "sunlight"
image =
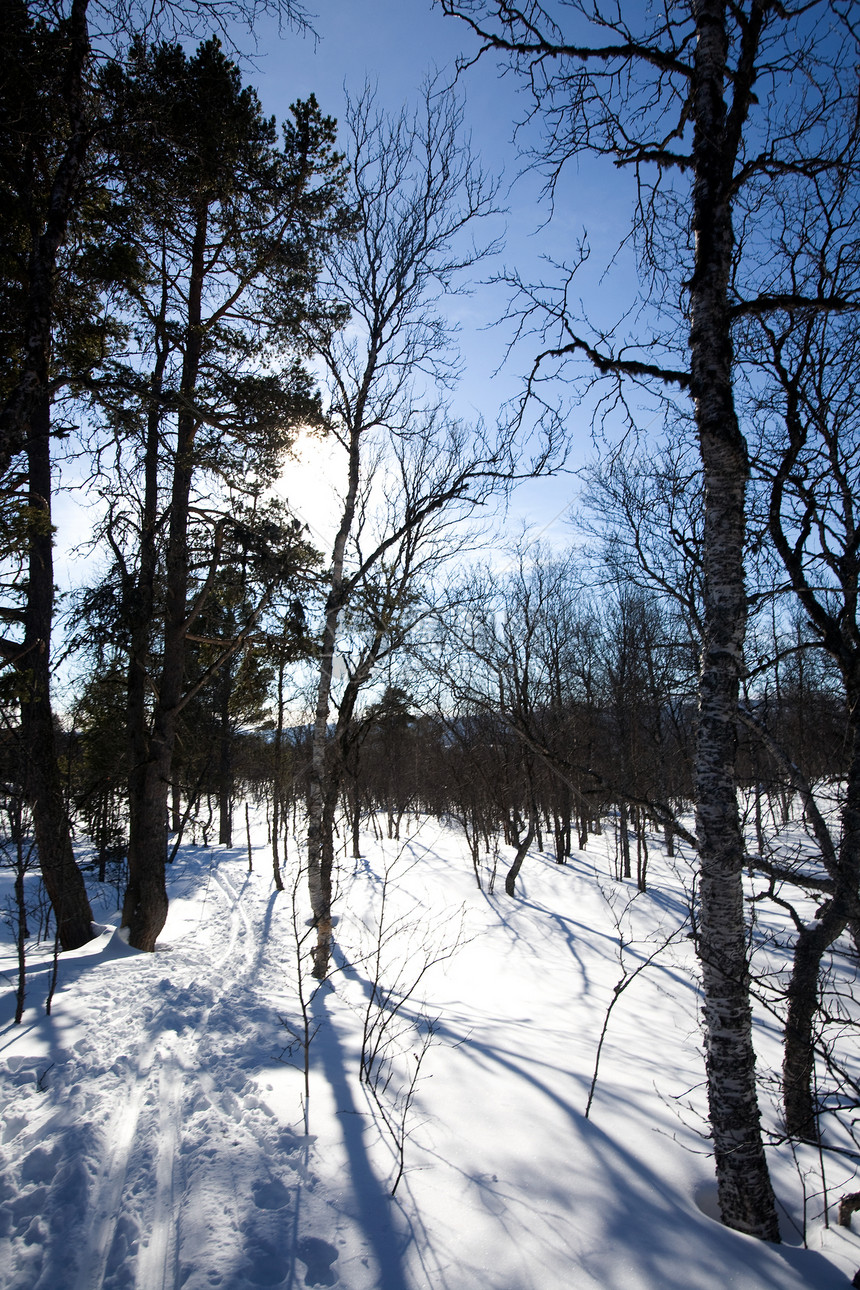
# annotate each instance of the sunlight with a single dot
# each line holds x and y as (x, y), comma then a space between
(309, 484)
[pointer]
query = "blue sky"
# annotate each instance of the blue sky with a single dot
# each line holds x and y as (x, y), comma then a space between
(394, 45)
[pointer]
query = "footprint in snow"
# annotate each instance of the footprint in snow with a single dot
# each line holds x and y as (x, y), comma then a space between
(268, 1267)
(271, 1195)
(318, 1257)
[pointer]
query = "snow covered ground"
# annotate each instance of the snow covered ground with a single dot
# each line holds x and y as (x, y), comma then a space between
(155, 1133)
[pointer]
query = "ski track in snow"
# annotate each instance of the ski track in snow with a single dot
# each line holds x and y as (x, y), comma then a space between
(157, 1262)
(153, 1203)
(156, 1088)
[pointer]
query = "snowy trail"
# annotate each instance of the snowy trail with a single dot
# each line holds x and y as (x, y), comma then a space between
(151, 1108)
(182, 1153)
(108, 1187)
(157, 1267)
(241, 931)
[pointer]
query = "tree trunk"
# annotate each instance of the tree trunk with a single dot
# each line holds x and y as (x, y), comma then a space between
(175, 807)
(328, 755)
(145, 904)
(641, 851)
(356, 822)
(744, 1189)
(60, 874)
(624, 837)
(812, 943)
(142, 776)
(523, 845)
(799, 1052)
(25, 419)
(225, 760)
(277, 773)
(30, 392)
(144, 909)
(327, 770)
(320, 844)
(320, 882)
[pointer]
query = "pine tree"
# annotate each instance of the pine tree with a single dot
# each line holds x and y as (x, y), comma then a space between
(231, 226)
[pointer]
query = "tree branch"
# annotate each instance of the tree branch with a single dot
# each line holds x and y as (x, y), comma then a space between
(608, 365)
(789, 301)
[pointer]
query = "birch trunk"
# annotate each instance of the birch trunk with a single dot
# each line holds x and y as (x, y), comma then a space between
(523, 842)
(745, 1194)
(320, 809)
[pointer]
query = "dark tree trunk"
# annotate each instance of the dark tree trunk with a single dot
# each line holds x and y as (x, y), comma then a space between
(356, 822)
(277, 789)
(62, 878)
(624, 837)
(523, 844)
(641, 851)
(142, 777)
(813, 942)
(25, 421)
(799, 1052)
(145, 905)
(144, 908)
(21, 929)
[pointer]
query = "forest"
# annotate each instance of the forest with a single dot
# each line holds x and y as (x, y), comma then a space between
(196, 295)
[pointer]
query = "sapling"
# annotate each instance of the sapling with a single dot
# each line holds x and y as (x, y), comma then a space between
(303, 1033)
(55, 966)
(18, 853)
(627, 978)
(395, 1038)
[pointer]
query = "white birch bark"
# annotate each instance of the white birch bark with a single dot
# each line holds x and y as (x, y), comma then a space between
(745, 1193)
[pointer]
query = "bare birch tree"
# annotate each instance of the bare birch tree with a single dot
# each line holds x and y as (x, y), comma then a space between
(410, 469)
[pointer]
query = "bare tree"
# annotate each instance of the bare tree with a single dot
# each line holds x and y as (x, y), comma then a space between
(645, 510)
(410, 470)
(808, 479)
(591, 694)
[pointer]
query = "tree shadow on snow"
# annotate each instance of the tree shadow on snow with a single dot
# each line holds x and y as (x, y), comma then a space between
(366, 1194)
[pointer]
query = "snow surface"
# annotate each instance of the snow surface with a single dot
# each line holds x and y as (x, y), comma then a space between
(154, 1130)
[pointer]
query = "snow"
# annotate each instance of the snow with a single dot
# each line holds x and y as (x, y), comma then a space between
(155, 1132)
